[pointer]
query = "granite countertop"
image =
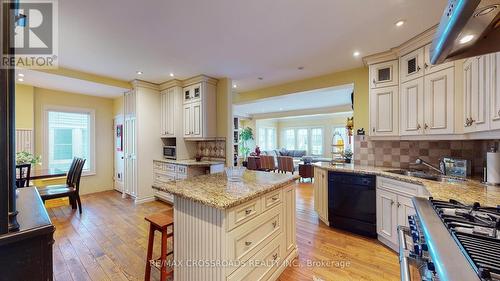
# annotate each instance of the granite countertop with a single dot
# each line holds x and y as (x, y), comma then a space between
(216, 191)
(466, 192)
(191, 162)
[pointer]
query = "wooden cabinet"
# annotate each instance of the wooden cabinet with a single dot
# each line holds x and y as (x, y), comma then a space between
(384, 111)
(167, 111)
(412, 107)
(199, 110)
(320, 193)
(477, 86)
(411, 65)
(495, 91)
(384, 74)
(439, 102)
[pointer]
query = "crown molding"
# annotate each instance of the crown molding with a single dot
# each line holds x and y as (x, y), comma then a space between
(199, 79)
(414, 43)
(144, 84)
(171, 83)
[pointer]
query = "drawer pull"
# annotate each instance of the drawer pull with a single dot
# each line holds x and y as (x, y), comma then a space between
(248, 211)
(275, 198)
(275, 256)
(248, 243)
(275, 223)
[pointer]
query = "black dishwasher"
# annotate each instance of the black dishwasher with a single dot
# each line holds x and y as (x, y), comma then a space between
(352, 203)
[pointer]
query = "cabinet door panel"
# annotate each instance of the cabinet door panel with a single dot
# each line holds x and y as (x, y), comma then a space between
(428, 66)
(384, 111)
(386, 215)
(468, 88)
(480, 111)
(495, 90)
(163, 110)
(384, 74)
(187, 120)
(196, 123)
(405, 209)
(170, 124)
(411, 109)
(439, 102)
(411, 65)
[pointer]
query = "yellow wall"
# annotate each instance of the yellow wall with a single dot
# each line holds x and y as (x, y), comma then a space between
(357, 76)
(118, 106)
(24, 106)
(103, 179)
(224, 115)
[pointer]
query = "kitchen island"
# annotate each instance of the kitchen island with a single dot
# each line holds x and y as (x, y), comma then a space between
(233, 230)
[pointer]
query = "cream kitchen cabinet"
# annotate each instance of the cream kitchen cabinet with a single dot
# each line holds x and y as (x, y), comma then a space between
(384, 74)
(412, 107)
(477, 86)
(168, 112)
(439, 102)
(411, 65)
(495, 91)
(199, 110)
(320, 194)
(428, 66)
(384, 111)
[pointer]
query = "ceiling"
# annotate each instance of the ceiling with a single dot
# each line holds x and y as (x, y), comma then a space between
(68, 84)
(242, 40)
(316, 99)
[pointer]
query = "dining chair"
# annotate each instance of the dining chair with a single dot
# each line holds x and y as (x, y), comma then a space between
(267, 163)
(251, 163)
(23, 175)
(71, 189)
(285, 164)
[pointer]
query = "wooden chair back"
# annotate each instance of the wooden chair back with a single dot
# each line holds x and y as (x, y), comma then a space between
(71, 171)
(252, 163)
(285, 164)
(78, 174)
(267, 163)
(23, 175)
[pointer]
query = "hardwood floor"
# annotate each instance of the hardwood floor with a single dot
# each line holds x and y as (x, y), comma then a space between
(109, 240)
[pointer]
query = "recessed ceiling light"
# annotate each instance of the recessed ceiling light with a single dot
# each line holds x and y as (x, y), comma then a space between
(20, 79)
(356, 54)
(139, 72)
(171, 74)
(235, 86)
(260, 78)
(300, 68)
(400, 23)
(20, 75)
(466, 39)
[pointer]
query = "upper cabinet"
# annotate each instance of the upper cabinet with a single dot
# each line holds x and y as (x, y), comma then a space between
(412, 107)
(384, 74)
(439, 102)
(495, 91)
(200, 108)
(428, 66)
(168, 111)
(384, 111)
(411, 65)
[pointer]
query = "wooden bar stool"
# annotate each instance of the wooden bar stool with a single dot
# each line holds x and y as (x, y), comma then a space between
(160, 222)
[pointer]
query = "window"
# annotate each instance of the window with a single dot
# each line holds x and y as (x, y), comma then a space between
(69, 133)
(308, 139)
(267, 139)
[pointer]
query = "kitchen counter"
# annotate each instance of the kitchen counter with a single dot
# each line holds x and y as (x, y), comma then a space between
(191, 162)
(216, 191)
(466, 192)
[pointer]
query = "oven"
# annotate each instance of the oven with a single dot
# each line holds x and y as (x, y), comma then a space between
(169, 152)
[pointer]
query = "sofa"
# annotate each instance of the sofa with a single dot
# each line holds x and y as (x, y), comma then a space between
(298, 155)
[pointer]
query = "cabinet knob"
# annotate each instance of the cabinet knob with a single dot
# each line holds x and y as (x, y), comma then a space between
(426, 65)
(373, 129)
(426, 126)
(399, 204)
(248, 243)
(275, 223)
(392, 202)
(418, 68)
(275, 256)
(418, 127)
(498, 112)
(248, 211)
(374, 81)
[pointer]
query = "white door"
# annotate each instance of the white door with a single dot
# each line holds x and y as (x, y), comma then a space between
(439, 102)
(187, 120)
(412, 107)
(405, 209)
(411, 65)
(495, 91)
(428, 66)
(387, 215)
(119, 163)
(197, 121)
(384, 113)
(384, 74)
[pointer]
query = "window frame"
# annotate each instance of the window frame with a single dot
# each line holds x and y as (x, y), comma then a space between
(92, 135)
(266, 128)
(309, 138)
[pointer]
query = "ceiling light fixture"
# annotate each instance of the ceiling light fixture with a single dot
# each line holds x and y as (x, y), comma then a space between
(260, 78)
(20, 75)
(235, 86)
(300, 68)
(171, 74)
(139, 72)
(466, 39)
(356, 54)
(20, 79)
(400, 23)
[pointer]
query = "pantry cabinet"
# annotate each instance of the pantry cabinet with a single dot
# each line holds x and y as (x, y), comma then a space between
(167, 112)
(495, 91)
(384, 111)
(384, 74)
(199, 109)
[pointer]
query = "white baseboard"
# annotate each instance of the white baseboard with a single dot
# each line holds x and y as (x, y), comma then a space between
(144, 200)
(388, 243)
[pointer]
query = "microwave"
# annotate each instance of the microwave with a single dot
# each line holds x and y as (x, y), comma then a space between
(169, 152)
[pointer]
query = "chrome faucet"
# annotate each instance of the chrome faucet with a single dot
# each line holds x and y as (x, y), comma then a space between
(441, 168)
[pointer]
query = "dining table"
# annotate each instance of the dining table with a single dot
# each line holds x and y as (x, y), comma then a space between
(38, 174)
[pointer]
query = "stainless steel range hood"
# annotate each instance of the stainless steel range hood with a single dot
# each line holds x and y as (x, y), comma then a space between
(467, 28)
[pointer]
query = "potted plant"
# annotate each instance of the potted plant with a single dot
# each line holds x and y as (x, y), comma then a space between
(246, 135)
(25, 157)
(347, 155)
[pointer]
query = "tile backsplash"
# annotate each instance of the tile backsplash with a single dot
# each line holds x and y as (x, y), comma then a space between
(401, 154)
(212, 149)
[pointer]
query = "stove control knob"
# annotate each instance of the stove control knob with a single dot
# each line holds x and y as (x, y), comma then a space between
(416, 250)
(431, 267)
(424, 247)
(413, 227)
(415, 236)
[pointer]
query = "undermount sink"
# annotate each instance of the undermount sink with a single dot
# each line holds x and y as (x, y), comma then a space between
(425, 175)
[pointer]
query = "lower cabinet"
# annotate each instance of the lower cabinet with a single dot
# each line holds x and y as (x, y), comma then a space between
(394, 205)
(320, 193)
